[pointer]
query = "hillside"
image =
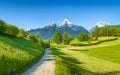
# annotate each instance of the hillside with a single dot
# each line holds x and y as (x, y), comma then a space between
(17, 55)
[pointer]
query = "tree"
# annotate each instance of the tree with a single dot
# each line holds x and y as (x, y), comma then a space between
(57, 38)
(95, 33)
(22, 33)
(66, 38)
(82, 37)
(3, 27)
(12, 30)
(34, 38)
(106, 31)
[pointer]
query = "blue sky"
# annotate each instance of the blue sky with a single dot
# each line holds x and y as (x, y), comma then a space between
(39, 13)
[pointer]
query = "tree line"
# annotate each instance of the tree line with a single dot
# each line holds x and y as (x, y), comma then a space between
(113, 30)
(107, 31)
(13, 31)
(66, 38)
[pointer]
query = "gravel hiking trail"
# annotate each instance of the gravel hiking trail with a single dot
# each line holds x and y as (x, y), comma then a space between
(46, 66)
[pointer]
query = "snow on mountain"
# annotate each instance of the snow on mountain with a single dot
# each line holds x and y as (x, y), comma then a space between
(64, 27)
(65, 23)
(53, 24)
(102, 24)
(97, 25)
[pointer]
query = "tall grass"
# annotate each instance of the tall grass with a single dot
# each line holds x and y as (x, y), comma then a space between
(17, 54)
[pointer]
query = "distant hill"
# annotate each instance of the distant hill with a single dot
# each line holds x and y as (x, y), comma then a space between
(66, 26)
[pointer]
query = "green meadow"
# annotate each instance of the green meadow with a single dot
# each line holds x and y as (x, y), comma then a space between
(100, 59)
(17, 55)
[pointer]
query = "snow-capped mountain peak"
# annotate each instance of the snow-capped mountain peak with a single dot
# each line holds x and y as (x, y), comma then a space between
(66, 22)
(53, 24)
(102, 24)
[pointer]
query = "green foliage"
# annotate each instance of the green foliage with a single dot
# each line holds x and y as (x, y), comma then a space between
(33, 37)
(46, 45)
(57, 38)
(3, 27)
(66, 38)
(12, 30)
(82, 37)
(17, 55)
(22, 33)
(36, 39)
(106, 31)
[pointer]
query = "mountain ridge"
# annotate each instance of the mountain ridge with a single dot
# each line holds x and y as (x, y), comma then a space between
(64, 27)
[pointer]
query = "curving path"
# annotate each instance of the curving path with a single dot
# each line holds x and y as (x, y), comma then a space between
(45, 66)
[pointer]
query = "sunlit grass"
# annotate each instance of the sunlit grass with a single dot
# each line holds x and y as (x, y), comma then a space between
(90, 42)
(85, 60)
(17, 54)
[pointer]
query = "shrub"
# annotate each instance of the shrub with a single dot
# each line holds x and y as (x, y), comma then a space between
(3, 27)
(46, 45)
(12, 30)
(33, 38)
(22, 33)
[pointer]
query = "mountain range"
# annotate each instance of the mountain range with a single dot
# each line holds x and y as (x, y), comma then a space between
(64, 27)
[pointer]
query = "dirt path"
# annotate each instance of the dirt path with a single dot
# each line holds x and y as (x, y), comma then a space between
(45, 66)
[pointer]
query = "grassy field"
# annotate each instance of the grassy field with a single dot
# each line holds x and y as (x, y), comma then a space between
(90, 42)
(17, 55)
(101, 59)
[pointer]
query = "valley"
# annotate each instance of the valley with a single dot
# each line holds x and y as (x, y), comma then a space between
(93, 53)
(59, 37)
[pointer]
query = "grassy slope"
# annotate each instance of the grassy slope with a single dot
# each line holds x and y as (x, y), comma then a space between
(89, 61)
(17, 54)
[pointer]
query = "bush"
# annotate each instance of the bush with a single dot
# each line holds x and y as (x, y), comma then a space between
(12, 30)
(33, 38)
(3, 27)
(46, 45)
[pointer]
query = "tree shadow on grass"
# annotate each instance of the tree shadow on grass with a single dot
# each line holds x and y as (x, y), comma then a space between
(112, 73)
(67, 65)
(78, 49)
